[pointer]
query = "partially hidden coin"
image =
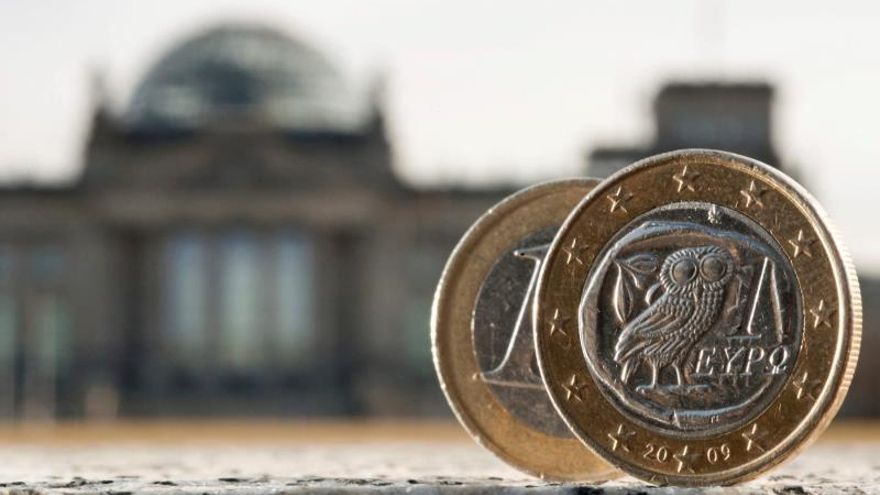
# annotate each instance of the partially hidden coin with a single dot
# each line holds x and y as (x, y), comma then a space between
(713, 316)
(482, 335)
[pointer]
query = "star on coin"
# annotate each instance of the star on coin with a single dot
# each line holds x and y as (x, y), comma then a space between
(753, 195)
(806, 387)
(801, 245)
(573, 389)
(557, 324)
(618, 199)
(619, 438)
(822, 314)
(685, 179)
(749, 437)
(685, 459)
(574, 251)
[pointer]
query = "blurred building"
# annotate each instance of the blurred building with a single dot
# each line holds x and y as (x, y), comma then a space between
(237, 243)
(726, 116)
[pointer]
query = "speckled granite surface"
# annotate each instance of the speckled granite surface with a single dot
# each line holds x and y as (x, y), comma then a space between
(373, 467)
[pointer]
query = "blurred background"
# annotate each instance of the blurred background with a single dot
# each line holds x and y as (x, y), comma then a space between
(241, 209)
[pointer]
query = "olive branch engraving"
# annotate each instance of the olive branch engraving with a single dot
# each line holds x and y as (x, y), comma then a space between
(633, 275)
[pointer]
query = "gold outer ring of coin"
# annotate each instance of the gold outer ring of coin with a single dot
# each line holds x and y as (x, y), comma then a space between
(829, 348)
(477, 408)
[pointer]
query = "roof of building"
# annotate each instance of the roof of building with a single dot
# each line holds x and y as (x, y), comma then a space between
(233, 72)
(713, 87)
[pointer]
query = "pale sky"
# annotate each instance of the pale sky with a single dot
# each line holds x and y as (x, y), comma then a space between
(480, 91)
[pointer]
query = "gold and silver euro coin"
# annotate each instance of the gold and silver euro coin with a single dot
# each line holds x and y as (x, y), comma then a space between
(709, 326)
(482, 335)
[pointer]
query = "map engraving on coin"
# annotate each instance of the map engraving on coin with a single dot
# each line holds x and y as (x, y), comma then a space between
(503, 336)
(691, 319)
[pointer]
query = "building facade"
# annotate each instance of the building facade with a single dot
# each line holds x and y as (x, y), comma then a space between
(733, 117)
(238, 243)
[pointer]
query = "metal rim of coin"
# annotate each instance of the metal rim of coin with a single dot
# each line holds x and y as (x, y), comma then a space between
(778, 271)
(478, 406)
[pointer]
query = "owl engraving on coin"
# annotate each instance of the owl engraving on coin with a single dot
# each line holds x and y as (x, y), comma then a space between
(689, 319)
(693, 281)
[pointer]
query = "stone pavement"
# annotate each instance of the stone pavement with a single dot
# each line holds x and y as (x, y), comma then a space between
(380, 465)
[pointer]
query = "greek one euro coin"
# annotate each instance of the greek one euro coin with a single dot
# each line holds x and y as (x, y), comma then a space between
(482, 335)
(710, 327)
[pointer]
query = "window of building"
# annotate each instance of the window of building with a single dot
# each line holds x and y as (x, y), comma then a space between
(238, 301)
(7, 308)
(185, 300)
(424, 265)
(43, 327)
(7, 328)
(241, 321)
(8, 338)
(294, 299)
(48, 309)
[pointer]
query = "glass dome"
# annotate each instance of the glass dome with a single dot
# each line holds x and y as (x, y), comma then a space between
(231, 71)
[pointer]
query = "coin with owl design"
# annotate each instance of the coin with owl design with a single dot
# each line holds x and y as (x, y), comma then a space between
(713, 327)
(690, 322)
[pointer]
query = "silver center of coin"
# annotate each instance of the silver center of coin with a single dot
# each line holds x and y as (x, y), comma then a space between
(503, 336)
(691, 319)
